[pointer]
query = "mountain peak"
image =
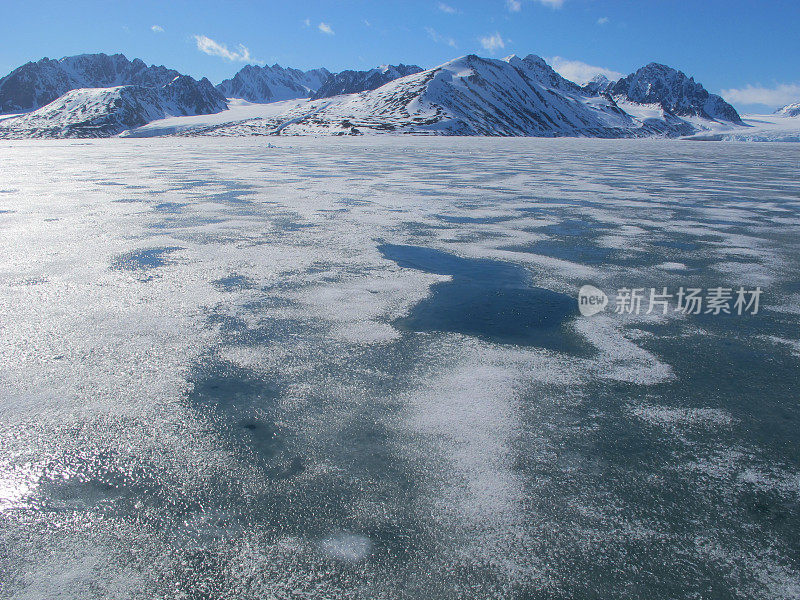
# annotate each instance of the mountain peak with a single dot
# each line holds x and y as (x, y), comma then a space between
(535, 67)
(676, 93)
(535, 59)
(790, 110)
(599, 84)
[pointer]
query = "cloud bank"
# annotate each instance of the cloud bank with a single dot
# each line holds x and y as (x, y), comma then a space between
(776, 96)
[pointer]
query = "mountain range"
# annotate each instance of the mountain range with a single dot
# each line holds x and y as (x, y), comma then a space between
(467, 96)
(97, 95)
(35, 84)
(352, 82)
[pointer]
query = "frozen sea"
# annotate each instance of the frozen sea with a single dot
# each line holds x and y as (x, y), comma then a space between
(354, 368)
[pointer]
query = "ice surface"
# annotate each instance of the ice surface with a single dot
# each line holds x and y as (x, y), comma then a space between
(216, 382)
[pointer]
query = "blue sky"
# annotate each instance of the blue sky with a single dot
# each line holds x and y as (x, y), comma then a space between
(747, 50)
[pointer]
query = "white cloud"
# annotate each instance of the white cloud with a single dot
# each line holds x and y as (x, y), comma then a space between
(157, 29)
(325, 28)
(307, 23)
(493, 42)
(516, 5)
(447, 8)
(440, 39)
(214, 48)
(603, 20)
(777, 96)
(579, 72)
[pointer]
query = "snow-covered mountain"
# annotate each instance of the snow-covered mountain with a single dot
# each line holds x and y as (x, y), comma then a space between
(103, 112)
(674, 92)
(273, 84)
(35, 84)
(790, 110)
(469, 96)
(352, 82)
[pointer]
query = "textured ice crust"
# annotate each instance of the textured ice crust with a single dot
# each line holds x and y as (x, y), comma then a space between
(205, 392)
